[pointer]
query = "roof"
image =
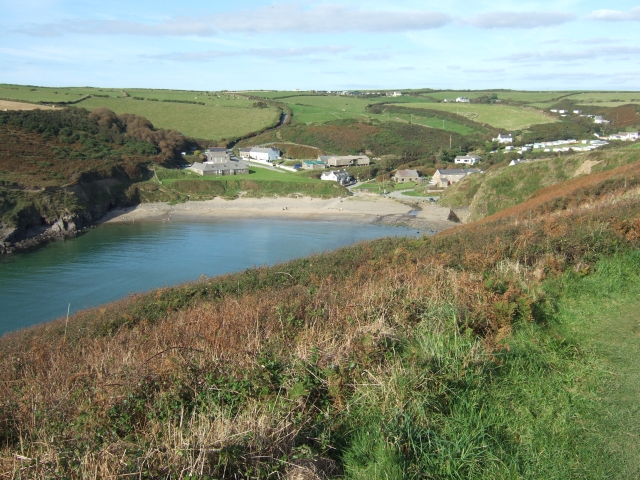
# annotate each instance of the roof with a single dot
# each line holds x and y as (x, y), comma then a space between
(208, 167)
(458, 171)
(407, 173)
(216, 149)
(347, 157)
(313, 162)
(477, 157)
(264, 150)
(506, 135)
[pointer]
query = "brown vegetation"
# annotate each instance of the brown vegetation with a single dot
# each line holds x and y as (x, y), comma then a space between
(238, 375)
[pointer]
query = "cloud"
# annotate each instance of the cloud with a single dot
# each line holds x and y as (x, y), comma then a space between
(270, 53)
(326, 18)
(371, 57)
(632, 15)
(519, 19)
(610, 52)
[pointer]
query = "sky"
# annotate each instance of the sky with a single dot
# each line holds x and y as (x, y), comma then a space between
(274, 45)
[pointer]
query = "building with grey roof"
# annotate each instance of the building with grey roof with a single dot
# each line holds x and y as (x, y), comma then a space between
(219, 169)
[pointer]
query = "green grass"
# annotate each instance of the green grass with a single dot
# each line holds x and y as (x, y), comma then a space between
(605, 99)
(224, 115)
(259, 182)
(499, 116)
(51, 94)
(375, 186)
(514, 96)
(199, 121)
(549, 405)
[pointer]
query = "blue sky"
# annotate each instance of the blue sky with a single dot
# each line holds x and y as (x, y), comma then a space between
(378, 44)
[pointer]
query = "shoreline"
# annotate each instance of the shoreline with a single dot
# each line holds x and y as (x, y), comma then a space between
(364, 209)
(360, 208)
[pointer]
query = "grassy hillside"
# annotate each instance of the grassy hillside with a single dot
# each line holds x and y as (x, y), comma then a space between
(454, 357)
(410, 142)
(497, 189)
(60, 170)
(499, 116)
(217, 116)
(258, 183)
(218, 123)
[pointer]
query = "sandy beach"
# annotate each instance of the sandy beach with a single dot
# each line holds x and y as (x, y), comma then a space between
(361, 208)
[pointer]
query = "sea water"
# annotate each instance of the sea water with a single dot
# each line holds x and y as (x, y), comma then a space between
(113, 260)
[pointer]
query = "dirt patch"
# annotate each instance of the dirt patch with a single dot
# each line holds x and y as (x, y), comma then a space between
(7, 105)
(586, 167)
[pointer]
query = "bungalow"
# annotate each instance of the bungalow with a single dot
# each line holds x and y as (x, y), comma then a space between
(463, 100)
(340, 176)
(347, 160)
(444, 178)
(504, 138)
(403, 176)
(230, 168)
(313, 165)
(468, 159)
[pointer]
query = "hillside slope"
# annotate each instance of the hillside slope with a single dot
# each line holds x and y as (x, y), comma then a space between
(61, 170)
(500, 188)
(445, 356)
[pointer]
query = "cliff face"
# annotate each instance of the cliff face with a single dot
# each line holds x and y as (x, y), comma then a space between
(61, 171)
(49, 214)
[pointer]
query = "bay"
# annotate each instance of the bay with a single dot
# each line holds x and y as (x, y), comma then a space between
(113, 260)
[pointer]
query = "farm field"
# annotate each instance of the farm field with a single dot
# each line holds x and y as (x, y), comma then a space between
(199, 121)
(51, 94)
(499, 116)
(605, 99)
(9, 105)
(319, 109)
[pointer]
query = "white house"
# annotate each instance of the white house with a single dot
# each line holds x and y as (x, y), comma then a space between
(468, 159)
(554, 110)
(463, 100)
(600, 119)
(260, 154)
(577, 112)
(624, 136)
(340, 176)
(394, 94)
(506, 138)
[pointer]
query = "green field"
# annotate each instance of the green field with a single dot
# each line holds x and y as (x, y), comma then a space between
(259, 182)
(224, 115)
(311, 109)
(48, 94)
(499, 116)
(199, 121)
(605, 99)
